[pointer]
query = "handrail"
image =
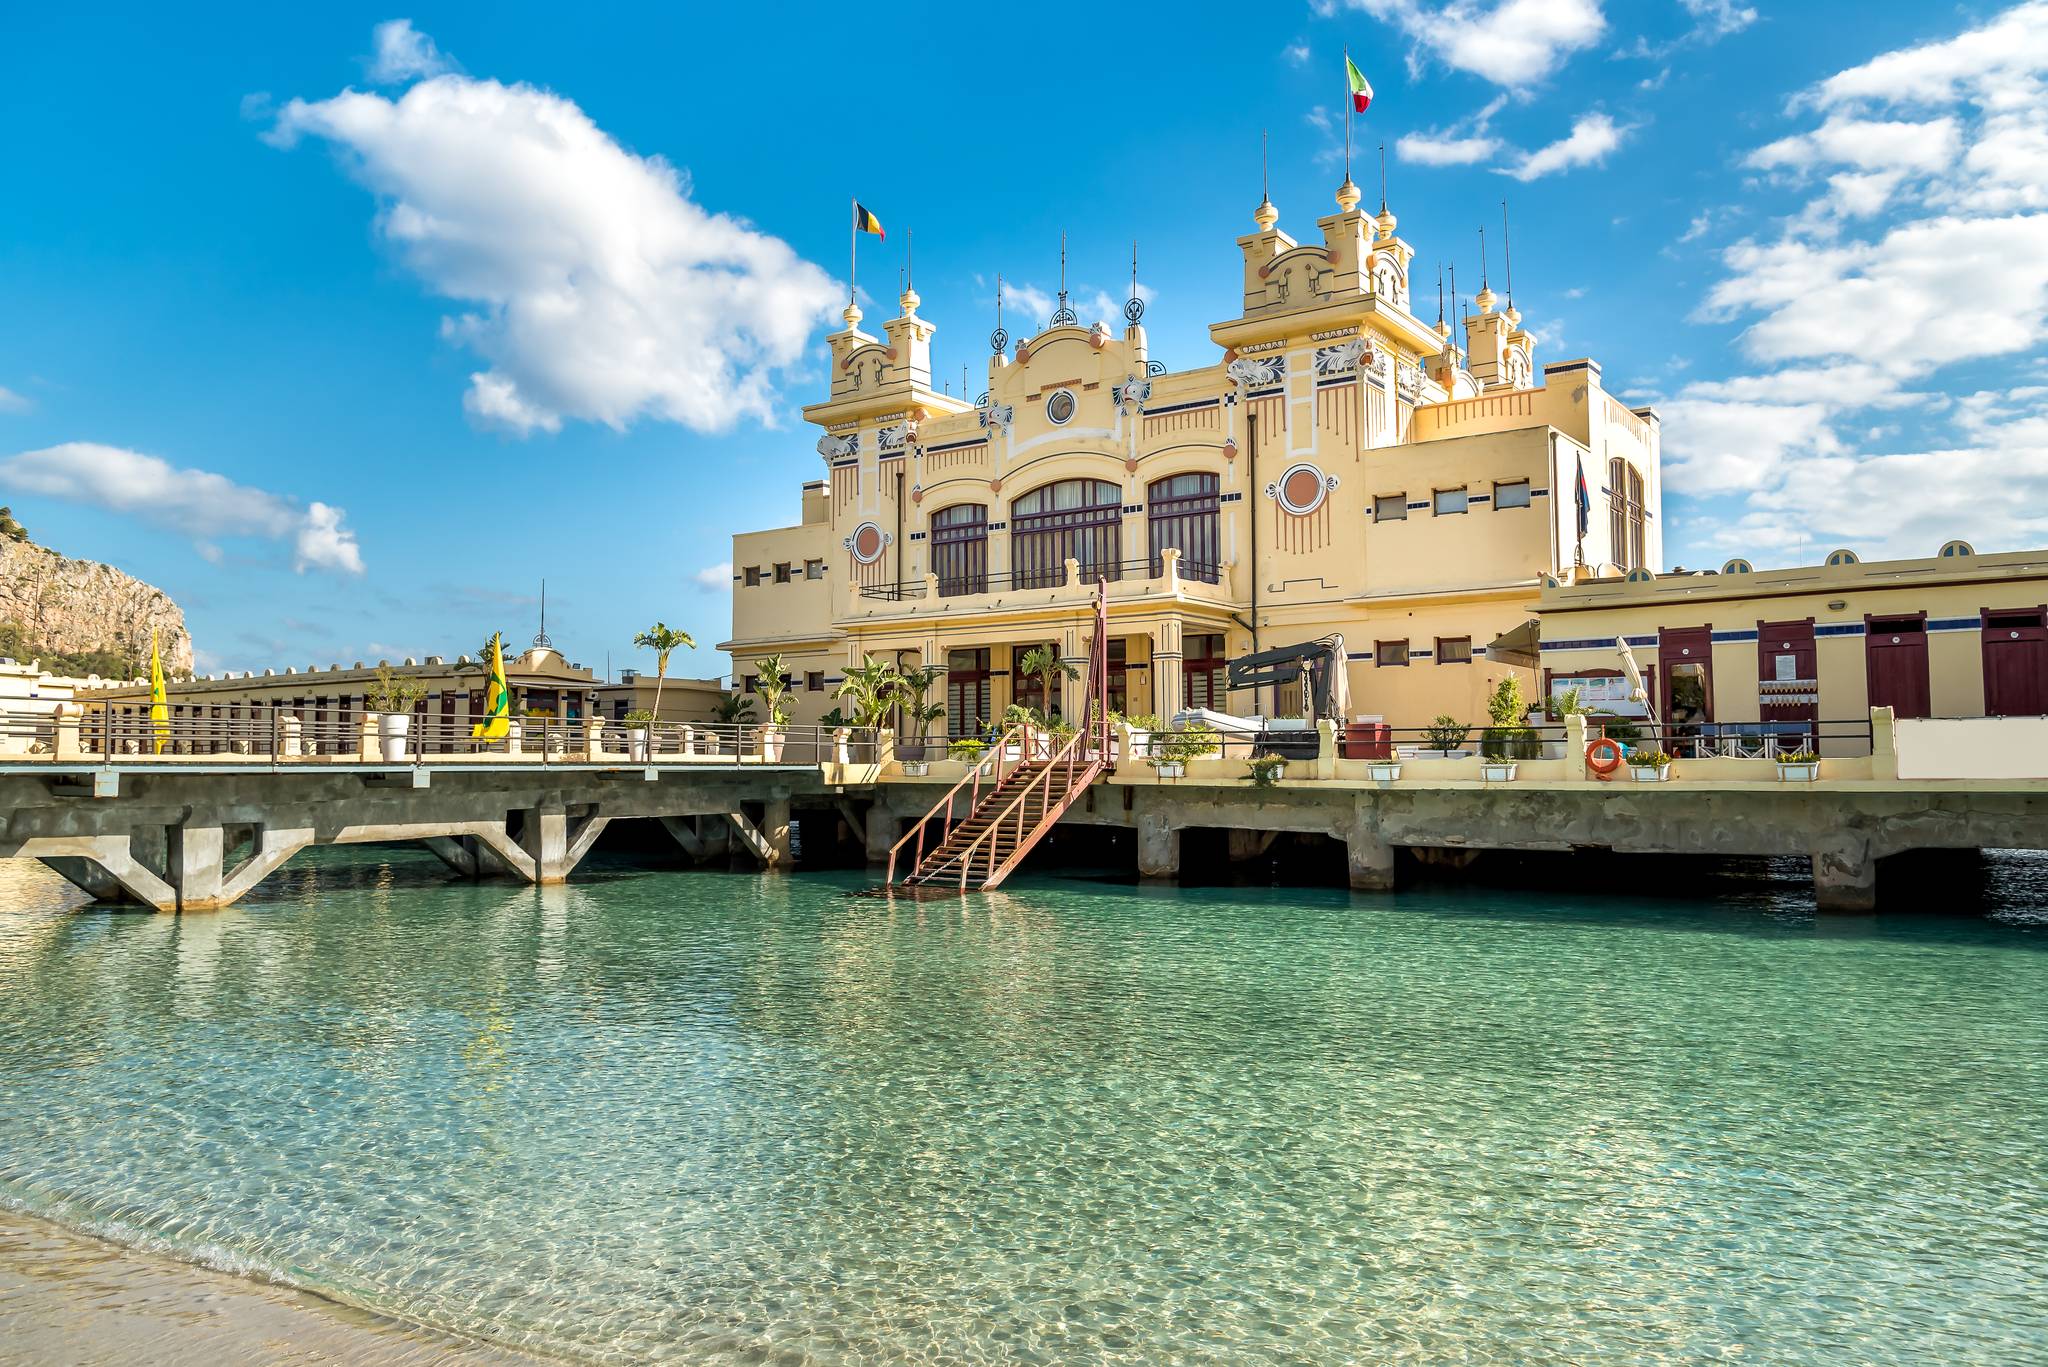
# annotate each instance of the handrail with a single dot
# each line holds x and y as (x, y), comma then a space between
(1066, 752)
(974, 775)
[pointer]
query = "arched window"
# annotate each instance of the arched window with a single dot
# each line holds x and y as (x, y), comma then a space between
(1182, 512)
(1625, 514)
(1077, 519)
(959, 539)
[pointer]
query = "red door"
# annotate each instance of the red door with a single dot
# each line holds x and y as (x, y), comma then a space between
(1685, 660)
(1787, 675)
(1895, 655)
(2016, 663)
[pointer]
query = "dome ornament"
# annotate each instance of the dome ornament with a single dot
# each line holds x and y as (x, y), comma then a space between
(1064, 315)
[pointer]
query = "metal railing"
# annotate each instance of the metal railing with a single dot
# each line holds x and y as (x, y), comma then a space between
(1047, 577)
(1837, 739)
(89, 731)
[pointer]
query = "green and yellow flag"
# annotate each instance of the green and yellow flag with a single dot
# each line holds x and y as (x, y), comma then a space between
(159, 699)
(497, 722)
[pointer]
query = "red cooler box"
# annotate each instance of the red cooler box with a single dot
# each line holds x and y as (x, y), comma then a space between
(1368, 738)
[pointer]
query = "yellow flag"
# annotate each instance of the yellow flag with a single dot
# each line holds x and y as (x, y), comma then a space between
(159, 700)
(497, 722)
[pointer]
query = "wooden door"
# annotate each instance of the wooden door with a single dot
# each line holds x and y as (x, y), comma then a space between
(2016, 663)
(1685, 660)
(1895, 656)
(1787, 676)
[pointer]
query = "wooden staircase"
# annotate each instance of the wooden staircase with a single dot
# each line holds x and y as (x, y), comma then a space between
(1012, 801)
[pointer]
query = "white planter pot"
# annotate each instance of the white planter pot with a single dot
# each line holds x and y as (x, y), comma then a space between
(393, 729)
(916, 768)
(1799, 773)
(771, 744)
(1171, 768)
(1492, 772)
(636, 743)
(1383, 773)
(1643, 773)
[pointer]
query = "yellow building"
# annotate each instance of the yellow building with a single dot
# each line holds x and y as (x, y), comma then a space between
(1741, 654)
(1343, 466)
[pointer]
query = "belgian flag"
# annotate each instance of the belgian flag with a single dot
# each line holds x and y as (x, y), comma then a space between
(865, 222)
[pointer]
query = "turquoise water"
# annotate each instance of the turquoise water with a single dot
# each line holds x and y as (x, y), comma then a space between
(712, 1117)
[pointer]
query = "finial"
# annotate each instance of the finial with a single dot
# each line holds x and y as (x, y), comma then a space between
(1507, 250)
(1482, 257)
(1265, 215)
(1439, 296)
(909, 299)
(1134, 307)
(998, 339)
(852, 315)
(1348, 194)
(1383, 177)
(1063, 316)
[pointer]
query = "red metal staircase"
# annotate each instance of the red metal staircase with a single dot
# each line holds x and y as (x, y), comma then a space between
(1012, 804)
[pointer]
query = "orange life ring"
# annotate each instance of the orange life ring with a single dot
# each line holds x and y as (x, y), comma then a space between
(1610, 749)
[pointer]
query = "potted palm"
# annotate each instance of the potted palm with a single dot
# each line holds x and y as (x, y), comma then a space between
(913, 689)
(1045, 662)
(391, 700)
(731, 709)
(869, 689)
(636, 732)
(1800, 766)
(1649, 766)
(663, 640)
(1171, 750)
(774, 690)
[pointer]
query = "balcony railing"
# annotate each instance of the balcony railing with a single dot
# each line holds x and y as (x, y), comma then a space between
(1154, 567)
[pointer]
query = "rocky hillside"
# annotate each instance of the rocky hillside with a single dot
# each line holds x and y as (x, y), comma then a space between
(51, 605)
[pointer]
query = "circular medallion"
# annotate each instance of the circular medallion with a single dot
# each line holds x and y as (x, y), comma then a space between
(1302, 488)
(866, 543)
(1060, 407)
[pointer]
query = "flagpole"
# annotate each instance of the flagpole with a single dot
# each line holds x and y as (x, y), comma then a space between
(853, 249)
(1348, 102)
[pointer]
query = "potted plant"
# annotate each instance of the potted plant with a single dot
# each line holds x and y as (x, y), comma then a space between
(1141, 727)
(1035, 728)
(969, 752)
(1800, 766)
(391, 700)
(731, 709)
(1509, 738)
(1649, 766)
(1265, 771)
(663, 640)
(1171, 750)
(1446, 738)
(913, 688)
(773, 687)
(636, 732)
(1383, 771)
(1045, 662)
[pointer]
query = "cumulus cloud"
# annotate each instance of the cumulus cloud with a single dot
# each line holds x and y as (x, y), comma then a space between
(197, 503)
(1593, 136)
(595, 288)
(714, 578)
(403, 54)
(1925, 221)
(1718, 18)
(1430, 149)
(1512, 43)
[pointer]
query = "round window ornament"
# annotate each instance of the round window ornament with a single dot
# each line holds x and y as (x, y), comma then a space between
(1951, 549)
(867, 543)
(1843, 557)
(1060, 407)
(1638, 576)
(1737, 566)
(1301, 488)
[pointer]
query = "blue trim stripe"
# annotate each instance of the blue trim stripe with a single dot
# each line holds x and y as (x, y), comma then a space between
(1423, 504)
(839, 463)
(956, 445)
(1181, 407)
(1341, 379)
(1358, 654)
(1728, 637)
(1839, 629)
(1479, 498)
(1539, 493)
(1955, 624)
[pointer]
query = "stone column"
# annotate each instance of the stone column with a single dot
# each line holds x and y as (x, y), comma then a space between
(196, 852)
(545, 838)
(1884, 746)
(882, 828)
(1167, 684)
(1158, 847)
(1367, 853)
(775, 830)
(1845, 877)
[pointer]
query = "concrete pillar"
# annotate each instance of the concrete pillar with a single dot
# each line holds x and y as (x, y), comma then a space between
(593, 739)
(1884, 747)
(1158, 847)
(775, 830)
(1845, 878)
(1074, 690)
(68, 745)
(545, 838)
(196, 854)
(1368, 855)
(881, 829)
(1326, 748)
(1575, 746)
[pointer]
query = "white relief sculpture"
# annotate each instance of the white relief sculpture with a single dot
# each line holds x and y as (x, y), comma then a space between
(1250, 372)
(1342, 358)
(891, 438)
(839, 448)
(997, 418)
(1131, 393)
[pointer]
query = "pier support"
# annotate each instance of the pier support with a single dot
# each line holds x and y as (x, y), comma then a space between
(556, 842)
(1845, 878)
(1158, 847)
(1368, 854)
(881, 829)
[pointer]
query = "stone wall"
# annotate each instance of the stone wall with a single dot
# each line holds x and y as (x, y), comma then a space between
(81, 605)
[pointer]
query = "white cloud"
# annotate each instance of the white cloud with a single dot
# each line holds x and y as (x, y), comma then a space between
(11, 402)
(2004, 58)
(1718, 18)
(404, 54)
(599, 290)
(1512, 43)
(1429, 149)
(1593, 136)
(197, 503)
(1297, 52)
(1866, 144)
(714, 578)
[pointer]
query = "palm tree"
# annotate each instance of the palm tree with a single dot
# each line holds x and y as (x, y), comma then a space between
(733, 708)
(773, 684)
(871, 688)
(1045, 662)
(914, 687)
(662, 640)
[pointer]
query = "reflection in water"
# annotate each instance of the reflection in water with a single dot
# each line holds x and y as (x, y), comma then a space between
(728, 1118)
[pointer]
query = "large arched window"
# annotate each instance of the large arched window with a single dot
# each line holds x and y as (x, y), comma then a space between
(1181, 512)
(1625, 514)
(959, 537)
(1078, 519)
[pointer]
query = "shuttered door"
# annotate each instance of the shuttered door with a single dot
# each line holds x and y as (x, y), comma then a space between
(1895, 655)
(2016, 663)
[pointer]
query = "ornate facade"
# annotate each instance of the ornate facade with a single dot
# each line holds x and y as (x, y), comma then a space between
(1341, 466)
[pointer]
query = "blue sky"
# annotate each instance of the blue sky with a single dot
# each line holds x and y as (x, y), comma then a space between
(347, 326)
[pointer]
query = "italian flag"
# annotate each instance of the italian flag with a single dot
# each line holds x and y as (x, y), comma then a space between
(1361, 89)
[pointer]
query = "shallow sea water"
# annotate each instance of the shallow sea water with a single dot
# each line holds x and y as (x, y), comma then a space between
(715, 1117)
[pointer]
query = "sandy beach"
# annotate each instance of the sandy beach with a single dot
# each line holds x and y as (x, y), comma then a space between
(68, 1298)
